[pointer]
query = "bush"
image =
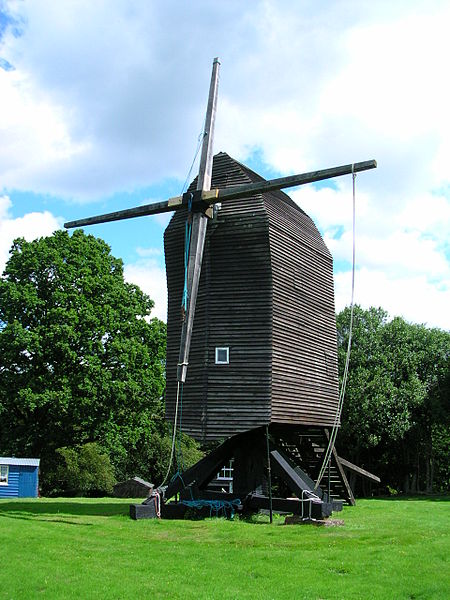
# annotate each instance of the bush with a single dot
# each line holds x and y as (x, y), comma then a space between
(149, 458)
(87, 470)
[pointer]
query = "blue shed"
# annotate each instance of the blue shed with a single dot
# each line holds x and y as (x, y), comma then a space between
(19, 477)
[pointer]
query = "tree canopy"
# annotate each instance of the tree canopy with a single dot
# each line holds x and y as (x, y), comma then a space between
(396, 412)
(82, 376)
(81, 360)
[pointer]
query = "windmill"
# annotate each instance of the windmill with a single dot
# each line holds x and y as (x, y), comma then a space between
(252, 361)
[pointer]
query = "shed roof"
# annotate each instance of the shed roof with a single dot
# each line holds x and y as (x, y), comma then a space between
(28, 462)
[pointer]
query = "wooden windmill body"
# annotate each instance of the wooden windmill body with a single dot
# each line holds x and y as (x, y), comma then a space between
(251, 349)
(266, 297)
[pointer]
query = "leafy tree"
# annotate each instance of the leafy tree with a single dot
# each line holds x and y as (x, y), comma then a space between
(150, 458)
(80, 361)
(86, 470)
(397, 397)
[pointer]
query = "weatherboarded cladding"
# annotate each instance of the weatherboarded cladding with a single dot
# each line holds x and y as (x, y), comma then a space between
(270, 300)
(304, 360)
(22, 479)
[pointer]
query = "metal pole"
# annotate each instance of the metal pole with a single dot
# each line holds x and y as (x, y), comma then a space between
(269, 474)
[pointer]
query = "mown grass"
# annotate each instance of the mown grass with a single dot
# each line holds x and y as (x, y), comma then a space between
(78, 548)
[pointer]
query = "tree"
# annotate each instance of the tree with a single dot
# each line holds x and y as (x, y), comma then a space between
(81, 360)
(86, 470)
(396, 406)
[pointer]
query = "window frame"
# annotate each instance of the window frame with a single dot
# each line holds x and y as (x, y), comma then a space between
(219, 349)
(3, 469)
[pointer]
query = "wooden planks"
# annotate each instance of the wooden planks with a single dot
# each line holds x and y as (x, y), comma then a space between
(304, 364)
(266, 293)
(233, 310)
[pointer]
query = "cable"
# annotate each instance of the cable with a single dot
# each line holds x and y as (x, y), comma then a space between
(337, 417)
(173, 437)
(184, 305)
(200, 139)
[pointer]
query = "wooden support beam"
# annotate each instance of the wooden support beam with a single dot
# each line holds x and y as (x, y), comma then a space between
(284, 470)
(206, 158)
(359, 470)
(206, 468)
(197, 245)
(350, 497)
(208, 197)
(303, 475)
(305, 508)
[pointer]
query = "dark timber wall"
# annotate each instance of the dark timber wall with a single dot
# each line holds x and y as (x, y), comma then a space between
(266, 292)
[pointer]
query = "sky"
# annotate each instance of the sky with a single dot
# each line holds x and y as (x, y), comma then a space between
(102, 104)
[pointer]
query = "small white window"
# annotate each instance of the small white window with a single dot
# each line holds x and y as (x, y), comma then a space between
(222, 356)
(4, 472)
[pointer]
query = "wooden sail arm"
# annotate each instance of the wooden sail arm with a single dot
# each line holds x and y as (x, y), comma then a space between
(204, 198)
(139, 211)
(199, 225)
(197, 245)
(246, 190)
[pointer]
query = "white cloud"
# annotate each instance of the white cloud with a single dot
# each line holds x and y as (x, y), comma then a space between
(125, 82)
(397, 254)
(110, 96)
(402, 252)
(146, 252)
(163, 219)
(151, 278)
(413, 297)
(146, 273)
(30, 227)
(118, 95)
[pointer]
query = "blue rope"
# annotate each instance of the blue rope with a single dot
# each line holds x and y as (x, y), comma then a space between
(225, 507)
(178, 476)
(187, 243)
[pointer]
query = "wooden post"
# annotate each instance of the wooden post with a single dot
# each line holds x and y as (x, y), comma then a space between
(329, 479)
(269, 475)
(249, 473)
(199, 224)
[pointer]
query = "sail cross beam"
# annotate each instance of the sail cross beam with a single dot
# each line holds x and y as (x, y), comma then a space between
(202, 199)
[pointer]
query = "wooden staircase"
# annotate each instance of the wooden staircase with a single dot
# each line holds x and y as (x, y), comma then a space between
(306, 448)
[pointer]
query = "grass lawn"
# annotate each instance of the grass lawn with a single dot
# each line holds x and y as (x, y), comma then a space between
(78, 548)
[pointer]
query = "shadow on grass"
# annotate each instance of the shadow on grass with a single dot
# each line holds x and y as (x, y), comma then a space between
(27, 509)
(30, 517)
(418, 498)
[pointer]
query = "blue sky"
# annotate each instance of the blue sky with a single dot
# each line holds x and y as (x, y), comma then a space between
(101, 105)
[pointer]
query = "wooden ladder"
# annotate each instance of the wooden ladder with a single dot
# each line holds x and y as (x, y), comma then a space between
(306, 447)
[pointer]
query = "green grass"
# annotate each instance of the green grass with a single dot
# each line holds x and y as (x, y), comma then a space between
(78, 548)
